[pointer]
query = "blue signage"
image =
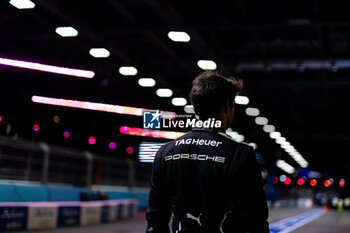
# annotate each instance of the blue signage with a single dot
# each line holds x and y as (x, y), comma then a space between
(104, 213)
(120, 211)
(13, 218)
(68, 216)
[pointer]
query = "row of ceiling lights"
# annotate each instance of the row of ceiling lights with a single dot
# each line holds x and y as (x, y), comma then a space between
(125, 70)
(179, 36)
(282, 141)
(176, 36)
(69, 31)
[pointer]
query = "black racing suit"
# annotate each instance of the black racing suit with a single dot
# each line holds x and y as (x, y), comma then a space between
(210, 183)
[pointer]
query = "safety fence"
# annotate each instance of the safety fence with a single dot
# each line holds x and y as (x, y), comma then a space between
(37, 161)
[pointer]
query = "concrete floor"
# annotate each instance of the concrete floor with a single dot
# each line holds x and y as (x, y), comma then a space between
(331, 222)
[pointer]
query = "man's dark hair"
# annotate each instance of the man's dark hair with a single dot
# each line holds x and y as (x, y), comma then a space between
(210, 92)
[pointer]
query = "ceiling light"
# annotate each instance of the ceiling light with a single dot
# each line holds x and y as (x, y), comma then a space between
(285, 166)
(286, 146)
(280, 140)
(275, 135)
(286, 143)
(164, 92)
(22, 4)
(147, 82)
(282, 178)
(254, 145)
(290, 149)
(66, 31)
(99, 52)
(294, 153)
(240, 138)
(178, 36)
(207, 64)
(252, 111)
(232, 133)
(240, 99)
(261, 120)
(179, 101)
(235, 135)
(269, 128)
(128, 70)
(189, 109)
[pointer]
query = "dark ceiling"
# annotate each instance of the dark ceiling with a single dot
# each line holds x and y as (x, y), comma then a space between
(294, 57)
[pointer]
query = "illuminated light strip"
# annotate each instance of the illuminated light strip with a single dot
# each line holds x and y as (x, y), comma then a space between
(285, 166)
(97, 106)
(150, 132)
(47, 68)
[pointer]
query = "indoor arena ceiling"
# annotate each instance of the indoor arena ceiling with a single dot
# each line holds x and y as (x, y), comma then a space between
(294, 58)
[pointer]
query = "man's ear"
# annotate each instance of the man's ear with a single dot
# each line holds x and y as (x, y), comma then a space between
(228, 106)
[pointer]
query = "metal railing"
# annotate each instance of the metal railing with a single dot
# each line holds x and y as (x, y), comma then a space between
(37, 161)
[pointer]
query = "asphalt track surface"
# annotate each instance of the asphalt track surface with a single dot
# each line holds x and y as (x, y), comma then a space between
(284, 220)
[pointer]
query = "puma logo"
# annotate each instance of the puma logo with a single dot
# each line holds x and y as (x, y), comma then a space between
(190, 216)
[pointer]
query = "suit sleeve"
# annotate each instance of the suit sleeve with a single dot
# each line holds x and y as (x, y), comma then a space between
(250, 211)
(158, 212)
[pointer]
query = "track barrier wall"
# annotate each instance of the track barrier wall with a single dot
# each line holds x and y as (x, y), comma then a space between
(45, 215)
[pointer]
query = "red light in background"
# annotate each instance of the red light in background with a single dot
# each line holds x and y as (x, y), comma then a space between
(275, 180)
(300, 181)
(287, 181)
(341, 183)
(0, 118)
(92, 140)
(327, 183)
(112, 145)
(66, 134)
(313, 182)
(36, 128)
(130, 150)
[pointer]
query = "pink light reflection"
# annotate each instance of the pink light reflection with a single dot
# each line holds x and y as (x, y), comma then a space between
(112, 145)
(66, 134)
(124, 130)
(47, 68)
(93, 106)
(150, 133)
